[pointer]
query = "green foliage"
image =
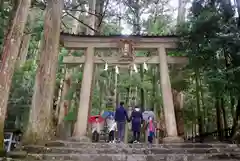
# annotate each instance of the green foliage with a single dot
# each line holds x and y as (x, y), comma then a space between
(21, 92)
(159, 25)
(111, 29)
(210, 38)
(5, 13)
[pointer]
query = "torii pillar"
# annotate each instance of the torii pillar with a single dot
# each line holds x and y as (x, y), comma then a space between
(80, 129)
(168, 106)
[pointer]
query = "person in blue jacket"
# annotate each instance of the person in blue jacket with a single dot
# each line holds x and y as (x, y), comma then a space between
(121, 117)
(137, 120)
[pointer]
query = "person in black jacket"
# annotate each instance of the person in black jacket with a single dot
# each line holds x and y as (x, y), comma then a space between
(121, 117)
(137, 120)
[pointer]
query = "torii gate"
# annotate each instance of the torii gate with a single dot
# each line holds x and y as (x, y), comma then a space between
(92, 43)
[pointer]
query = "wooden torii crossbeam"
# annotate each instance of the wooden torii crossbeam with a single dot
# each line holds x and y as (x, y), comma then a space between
(81, 42)
(126, 45)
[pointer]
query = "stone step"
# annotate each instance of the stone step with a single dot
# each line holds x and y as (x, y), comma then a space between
(73, 144)
(10, 159)
(119, 157)
(127, 150)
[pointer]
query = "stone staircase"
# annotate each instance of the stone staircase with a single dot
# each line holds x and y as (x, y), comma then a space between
(76, 151)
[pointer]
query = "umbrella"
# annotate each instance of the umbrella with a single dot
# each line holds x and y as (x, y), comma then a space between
(147, 114)
(92, 119)
(106, 114)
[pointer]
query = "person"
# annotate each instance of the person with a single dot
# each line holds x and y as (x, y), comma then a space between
(150, 129)
(137, 120)
(146, 115)
(120, 117)
(112, 126)
(96, 130)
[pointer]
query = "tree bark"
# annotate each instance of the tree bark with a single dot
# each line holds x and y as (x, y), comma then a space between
(178, 107)
(9, 56)
(40, 127)
(142, 92)
(92, 18)
(199, 113)
(23, 50)
(219, 119)
(181, 11)
(128, 104)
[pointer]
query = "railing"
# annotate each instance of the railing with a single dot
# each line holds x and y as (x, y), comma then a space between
(11, 138)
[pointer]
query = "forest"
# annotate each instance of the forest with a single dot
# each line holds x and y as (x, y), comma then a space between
(34, 79)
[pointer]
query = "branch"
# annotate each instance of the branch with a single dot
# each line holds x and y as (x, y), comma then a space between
(129, 5)
(155, 14)
(84, 11)
(103, 15)
(80, 21)
(65, 25)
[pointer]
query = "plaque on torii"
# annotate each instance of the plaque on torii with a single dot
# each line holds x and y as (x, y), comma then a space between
(127, 51)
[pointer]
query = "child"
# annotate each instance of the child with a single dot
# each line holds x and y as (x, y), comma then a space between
(112, 126)
(96, 130)
(151, 130)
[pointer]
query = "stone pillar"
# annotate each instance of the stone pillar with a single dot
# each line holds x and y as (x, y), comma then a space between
(82, 116)
(169, 114)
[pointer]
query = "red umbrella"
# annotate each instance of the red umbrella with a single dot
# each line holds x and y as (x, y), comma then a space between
(92, 119)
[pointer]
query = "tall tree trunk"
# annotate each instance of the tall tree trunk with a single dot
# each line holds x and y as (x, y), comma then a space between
(181, 11)
(1, 5)
(40, 127)
(115, 89)
(178, 107)
(225, 125)
(219, 119)
(154, 82)
(128, 104)
(100, 13)
(236, 118)
(59, 94)
(22, 55)
(199, 114)
(9, 56)
(92, 18)
(142, 93)
(23, 51)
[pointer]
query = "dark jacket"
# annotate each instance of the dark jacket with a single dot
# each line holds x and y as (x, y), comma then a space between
(137, 120)
(121, 114)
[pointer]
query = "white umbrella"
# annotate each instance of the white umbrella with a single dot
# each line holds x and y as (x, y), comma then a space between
(147, 114)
